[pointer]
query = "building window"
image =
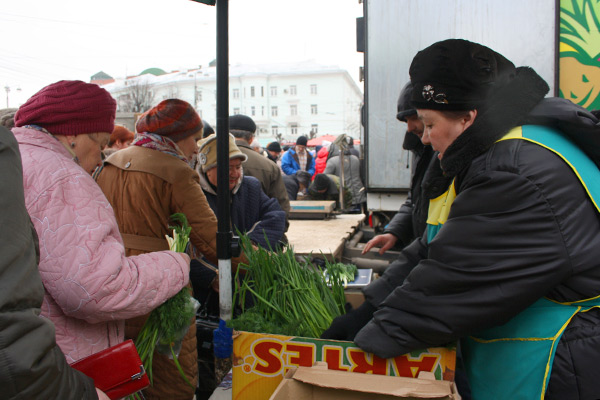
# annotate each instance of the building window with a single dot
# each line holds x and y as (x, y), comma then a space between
(293, 90)
(314, 128)
(262, 91)
(251, 91)
(313, 109)
(262, 111)
(294, 129)
(293, 109)
(236, 93)
(274, 130)
(273, 91)
(274, 111)
(313, 89)
(236, 111)
(253, 111)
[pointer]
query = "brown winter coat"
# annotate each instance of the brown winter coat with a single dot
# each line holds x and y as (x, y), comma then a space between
(145, 187)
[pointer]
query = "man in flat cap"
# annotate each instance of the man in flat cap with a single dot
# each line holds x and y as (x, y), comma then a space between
(268, 173)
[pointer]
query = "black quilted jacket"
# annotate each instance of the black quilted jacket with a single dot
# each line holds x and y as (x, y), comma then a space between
(521, 227)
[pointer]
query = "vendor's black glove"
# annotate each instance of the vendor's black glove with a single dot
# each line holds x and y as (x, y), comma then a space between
(346, 326)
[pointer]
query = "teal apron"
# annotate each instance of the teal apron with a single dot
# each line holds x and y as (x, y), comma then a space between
(514, 361)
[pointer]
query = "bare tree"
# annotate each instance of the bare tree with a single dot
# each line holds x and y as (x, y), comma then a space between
(312, 134)
(138, 97)
(278, 136)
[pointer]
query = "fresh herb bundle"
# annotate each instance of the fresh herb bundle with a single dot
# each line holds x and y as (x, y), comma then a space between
(168, 323)
(290, 297)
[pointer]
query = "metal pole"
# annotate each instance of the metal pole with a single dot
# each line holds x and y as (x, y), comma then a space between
(342, 179)
(224, 234)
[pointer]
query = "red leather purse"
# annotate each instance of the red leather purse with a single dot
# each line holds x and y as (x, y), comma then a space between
(117, 371)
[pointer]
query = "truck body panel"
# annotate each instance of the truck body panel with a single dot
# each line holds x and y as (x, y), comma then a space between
(395, 30)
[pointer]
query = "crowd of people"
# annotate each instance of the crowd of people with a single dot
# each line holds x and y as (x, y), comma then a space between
(499, 234)
(99, 198)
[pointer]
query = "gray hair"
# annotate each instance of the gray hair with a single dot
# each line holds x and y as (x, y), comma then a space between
(7, 117)
(239, 134)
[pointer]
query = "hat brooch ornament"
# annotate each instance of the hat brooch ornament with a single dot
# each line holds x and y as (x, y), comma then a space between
(430, 95)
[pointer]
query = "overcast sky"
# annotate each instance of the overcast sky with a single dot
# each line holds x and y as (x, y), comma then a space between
(44, 41)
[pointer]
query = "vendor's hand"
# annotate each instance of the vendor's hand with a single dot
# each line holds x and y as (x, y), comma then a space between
(345, 327)
(384, 242)
(101, 395)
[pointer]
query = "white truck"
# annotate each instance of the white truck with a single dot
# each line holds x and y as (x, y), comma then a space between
(391, 32)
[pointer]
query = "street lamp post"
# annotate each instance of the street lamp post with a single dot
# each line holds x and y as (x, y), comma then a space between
(7, 88)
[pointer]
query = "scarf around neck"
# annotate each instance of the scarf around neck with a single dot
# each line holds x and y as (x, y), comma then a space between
(160, 143)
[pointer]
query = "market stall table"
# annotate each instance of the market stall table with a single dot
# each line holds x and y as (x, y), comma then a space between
(325, 237)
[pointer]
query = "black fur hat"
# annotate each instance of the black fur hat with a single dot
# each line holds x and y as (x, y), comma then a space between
(456, 74)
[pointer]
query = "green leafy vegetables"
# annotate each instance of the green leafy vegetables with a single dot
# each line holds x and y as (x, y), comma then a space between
(290, 297)
(168, 323)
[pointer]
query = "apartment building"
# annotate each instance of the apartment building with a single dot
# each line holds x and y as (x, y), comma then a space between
(285, 100)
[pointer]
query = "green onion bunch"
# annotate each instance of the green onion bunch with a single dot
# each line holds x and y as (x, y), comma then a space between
(290, 297)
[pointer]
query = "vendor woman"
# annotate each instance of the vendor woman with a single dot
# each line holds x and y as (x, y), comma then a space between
(509, 263)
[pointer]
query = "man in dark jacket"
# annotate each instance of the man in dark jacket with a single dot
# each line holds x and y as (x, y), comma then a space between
(297, 184)
(510, 261)
(410, 221)
(252, 212)
(31, 364)
(268, 173)
(327, 187)
(274, 151)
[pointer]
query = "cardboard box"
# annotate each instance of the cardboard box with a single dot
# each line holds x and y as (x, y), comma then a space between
(260, 361)
(319, 383)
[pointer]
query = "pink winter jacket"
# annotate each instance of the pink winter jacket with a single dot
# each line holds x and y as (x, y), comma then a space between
(90, 286)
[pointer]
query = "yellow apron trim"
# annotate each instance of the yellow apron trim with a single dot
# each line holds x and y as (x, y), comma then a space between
(558, 335)
(517, 133)
(590, 308)
(479, 340)
(439, 208)
(510, 339)
(574, 302)
(514, 133)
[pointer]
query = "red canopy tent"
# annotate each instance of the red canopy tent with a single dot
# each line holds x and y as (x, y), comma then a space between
(318, 141)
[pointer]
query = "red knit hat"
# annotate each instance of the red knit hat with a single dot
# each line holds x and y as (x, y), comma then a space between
(173, 118)
(69, 108)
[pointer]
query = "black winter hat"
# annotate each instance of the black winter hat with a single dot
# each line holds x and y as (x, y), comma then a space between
(456, 74)
(241, 123)
(321, 182)
(405, 109)
(208, 130)
(274, 146)
(302, 141)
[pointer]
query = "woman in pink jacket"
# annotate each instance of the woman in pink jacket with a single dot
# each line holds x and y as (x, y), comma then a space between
(91, 287)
